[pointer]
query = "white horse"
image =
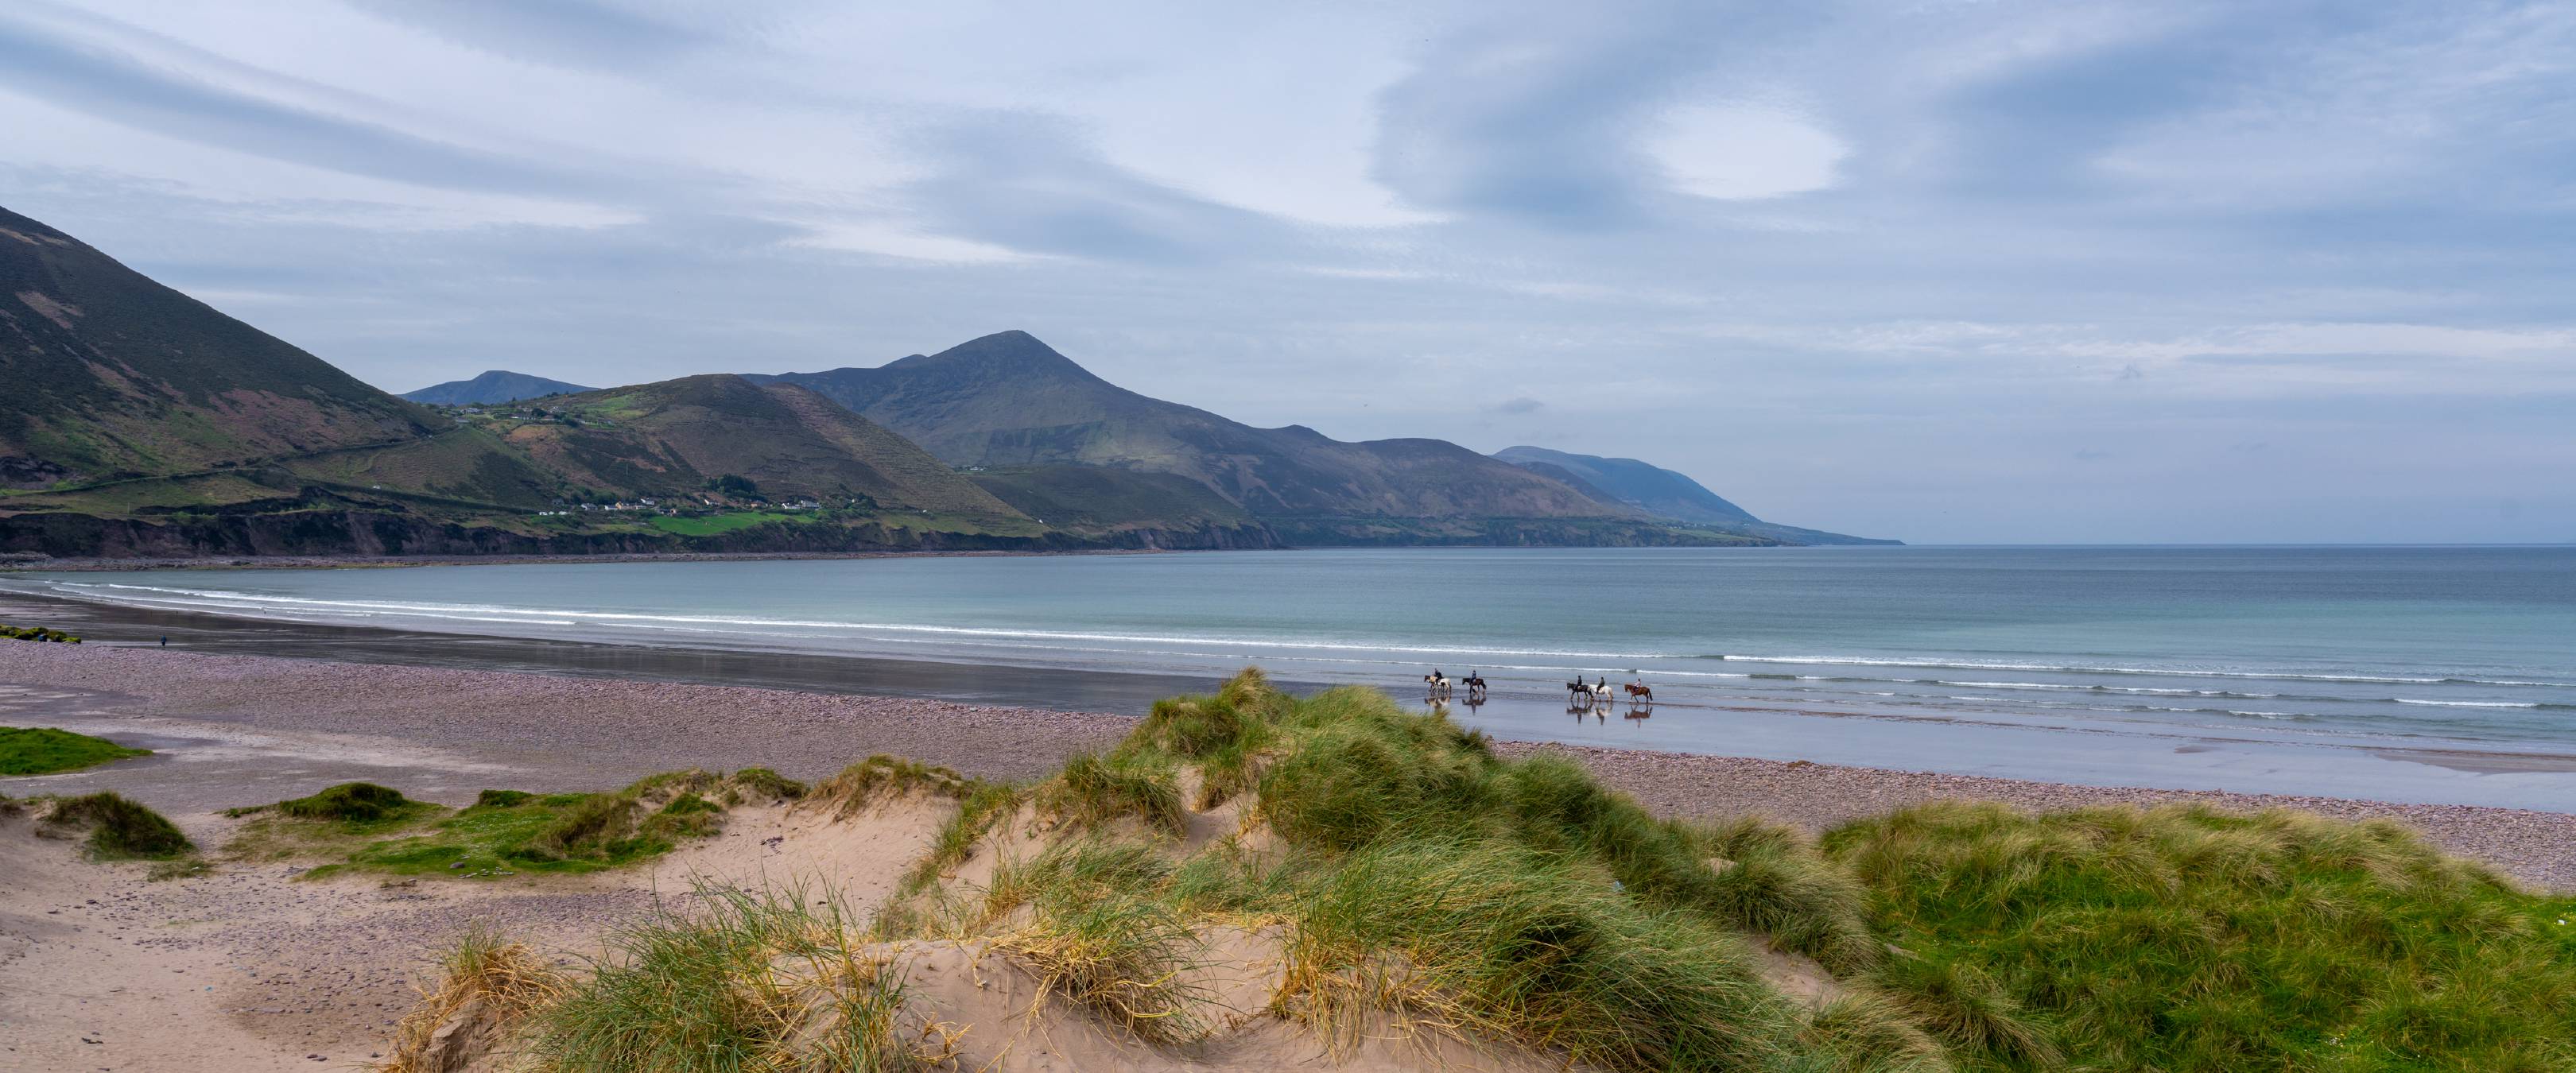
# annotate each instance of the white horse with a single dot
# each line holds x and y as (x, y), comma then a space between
(1438, 683)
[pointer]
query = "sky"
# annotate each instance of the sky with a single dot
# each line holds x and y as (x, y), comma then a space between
(1982, 271)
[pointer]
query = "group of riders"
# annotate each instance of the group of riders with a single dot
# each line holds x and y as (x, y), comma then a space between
(1581, 692)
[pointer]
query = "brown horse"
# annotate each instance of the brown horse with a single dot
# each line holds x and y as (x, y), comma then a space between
(1640, 693)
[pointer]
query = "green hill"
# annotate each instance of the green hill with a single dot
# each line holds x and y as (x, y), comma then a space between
(1010, 400)
(111, 375)
(674, 437)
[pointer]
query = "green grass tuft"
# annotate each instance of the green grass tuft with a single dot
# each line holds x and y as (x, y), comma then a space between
(47, 750)
(511, 831)
(350, 802)
(763, 784)
(119, 828)
(1094, 789)
(1533, 947)
(731, 986)
(36, 633)
(2186, 939)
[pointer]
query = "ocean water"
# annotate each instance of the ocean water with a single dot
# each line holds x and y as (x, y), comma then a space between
(2252, 668)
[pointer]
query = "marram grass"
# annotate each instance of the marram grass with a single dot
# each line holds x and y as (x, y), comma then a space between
(1414, 878)
(2185, 939)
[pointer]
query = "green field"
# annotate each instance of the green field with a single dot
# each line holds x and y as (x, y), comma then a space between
(712, 524)
(45, 750)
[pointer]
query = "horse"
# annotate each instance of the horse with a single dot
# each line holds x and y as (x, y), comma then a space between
(1640, 693)
(1438, 683)
(1475, 685)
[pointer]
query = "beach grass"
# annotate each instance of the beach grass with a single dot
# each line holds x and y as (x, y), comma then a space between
(1420, 877)
(508, 832)
(120, 828)
(1094, 789)
(49, 750)
(1410, 880)
(729, 986)
(2184, 938)
(880, 777)
(485, 975)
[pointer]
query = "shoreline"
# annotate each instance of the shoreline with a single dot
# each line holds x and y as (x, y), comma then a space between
(272, 724)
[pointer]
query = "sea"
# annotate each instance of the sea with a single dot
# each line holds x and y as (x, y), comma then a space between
(2409, 673)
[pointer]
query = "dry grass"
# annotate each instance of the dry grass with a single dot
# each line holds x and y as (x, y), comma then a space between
(485, 979)
(879, 777)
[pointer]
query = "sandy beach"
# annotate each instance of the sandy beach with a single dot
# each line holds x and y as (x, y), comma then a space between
(249, 968)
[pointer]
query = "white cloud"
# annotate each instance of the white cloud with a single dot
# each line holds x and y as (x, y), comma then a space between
(1743, 151)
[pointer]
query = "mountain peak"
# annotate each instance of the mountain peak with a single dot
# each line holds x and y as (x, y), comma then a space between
(1010, 353)
(493, 387)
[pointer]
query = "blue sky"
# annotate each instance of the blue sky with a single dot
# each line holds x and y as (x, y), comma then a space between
(1946, 271)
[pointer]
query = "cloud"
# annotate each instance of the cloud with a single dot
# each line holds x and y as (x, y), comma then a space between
(1032, 183)
(603, 36)
(1738, 151)
(1859, 264)
(115, 87)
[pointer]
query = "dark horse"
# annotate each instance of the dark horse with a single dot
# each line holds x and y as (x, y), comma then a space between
(1475, 684)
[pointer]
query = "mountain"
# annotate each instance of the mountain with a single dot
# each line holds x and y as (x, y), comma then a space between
(1105, 503)
(110, 375)
(495, 386)
(136, 421)
(1663, 493)
(1010, 400)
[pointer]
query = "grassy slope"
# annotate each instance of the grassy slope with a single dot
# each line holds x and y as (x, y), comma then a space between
(114, 374)
(670, 438)
(1101, 498)
(46, 750)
